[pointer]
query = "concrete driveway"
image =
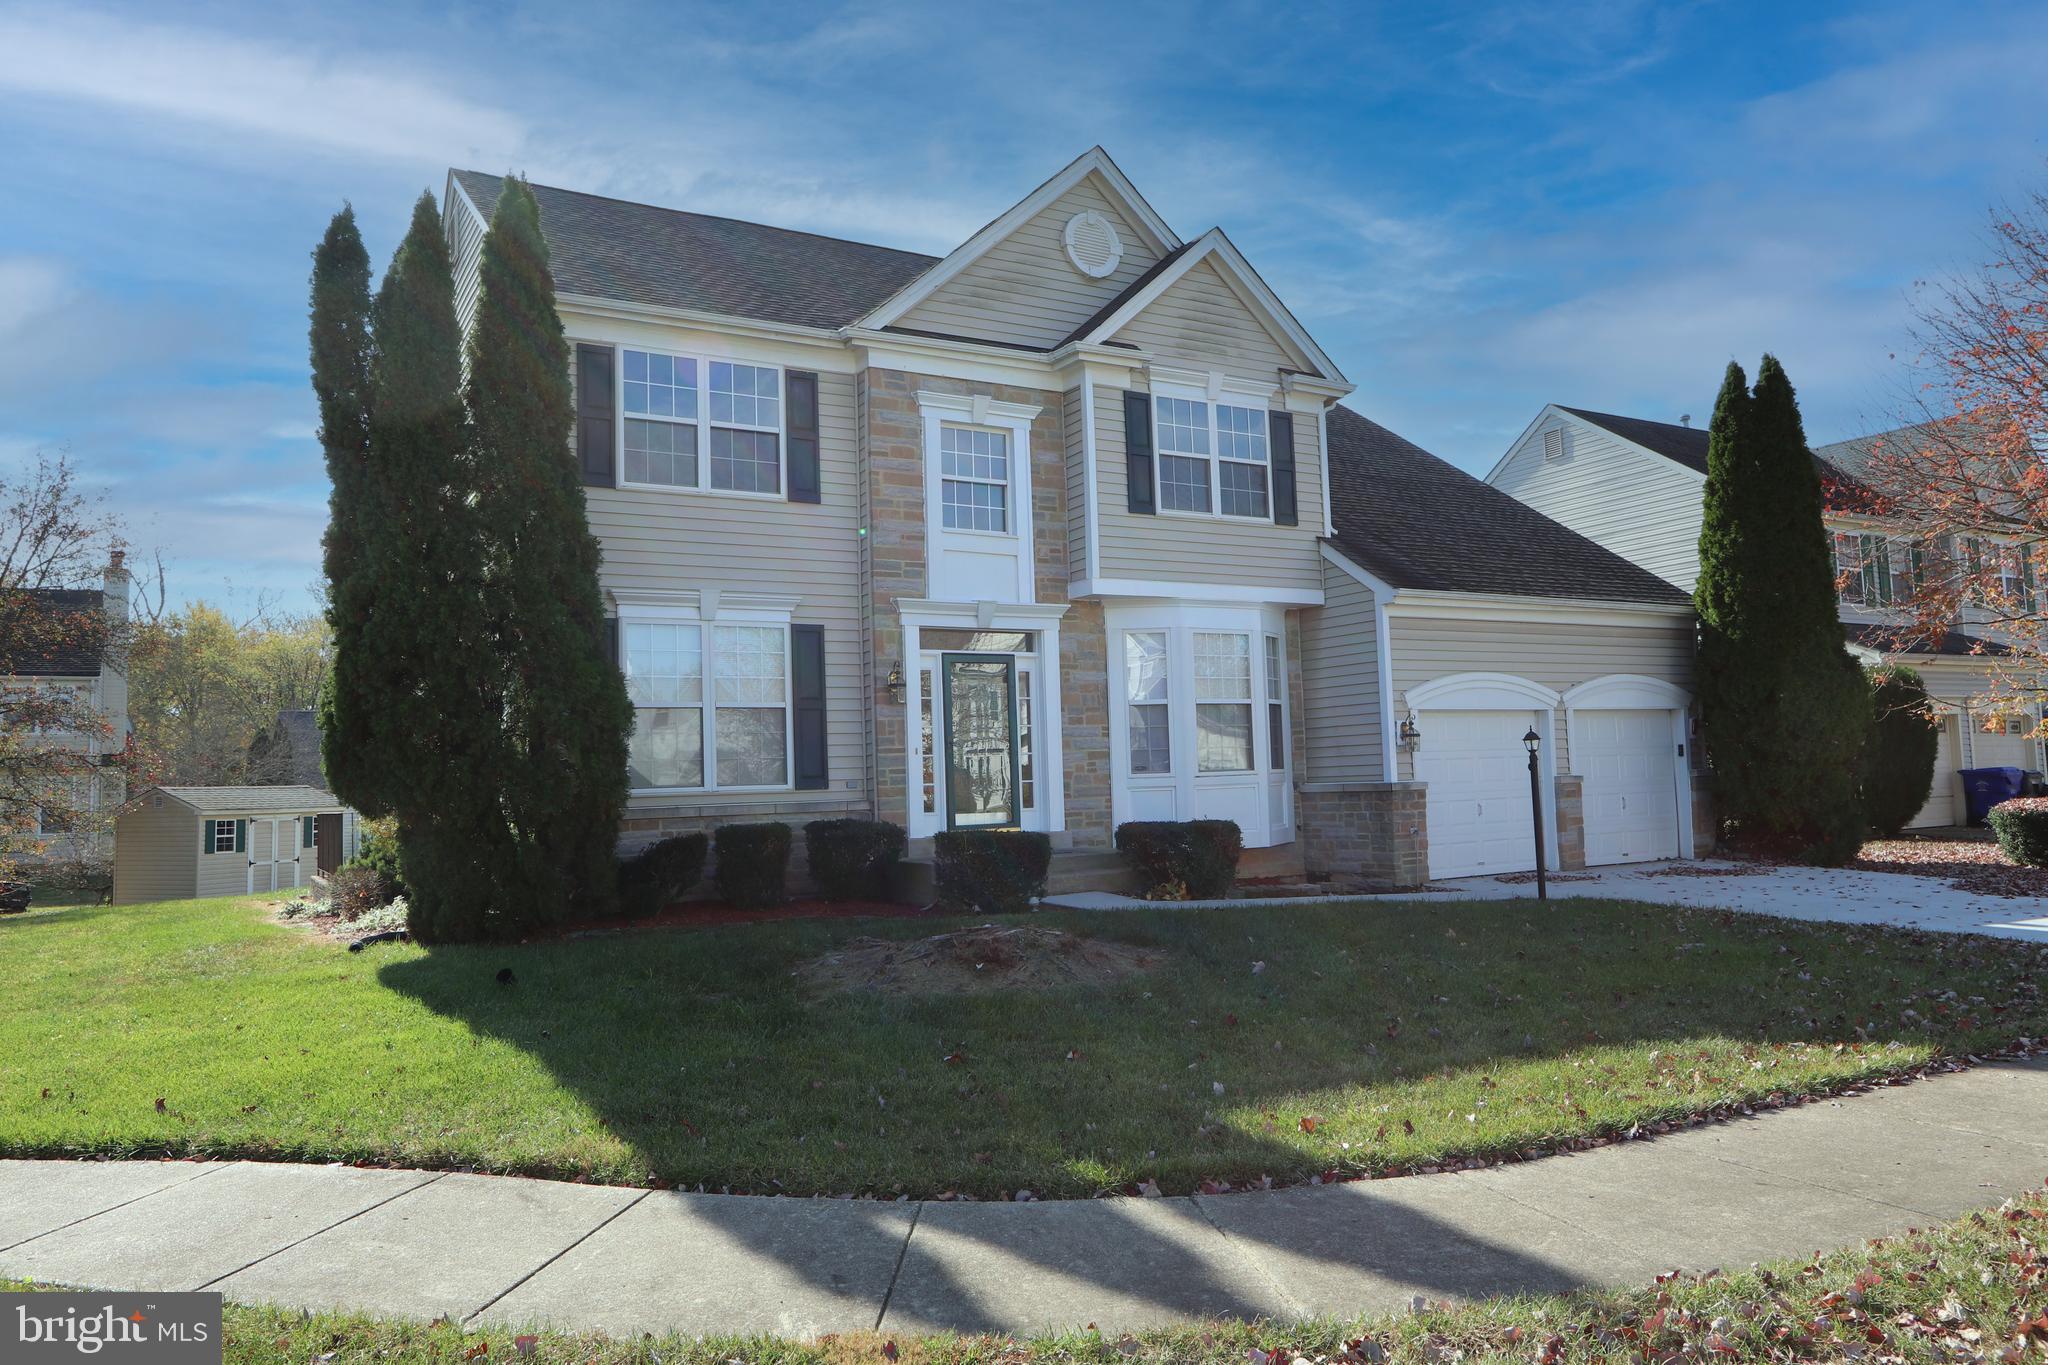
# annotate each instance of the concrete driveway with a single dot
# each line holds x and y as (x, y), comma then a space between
(1814, 893)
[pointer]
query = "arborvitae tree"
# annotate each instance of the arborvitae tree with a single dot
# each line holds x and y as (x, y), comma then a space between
(341, 348)
(420, 678)
(1898, 756)
(556, 790)
(1783, 707)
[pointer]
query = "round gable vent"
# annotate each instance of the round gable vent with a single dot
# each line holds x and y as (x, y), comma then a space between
(1092, 244)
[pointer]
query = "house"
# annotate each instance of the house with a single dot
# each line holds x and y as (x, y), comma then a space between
(1038, 534)
(175, 843)
(288, 750)
(1636, 487)
(89, 663)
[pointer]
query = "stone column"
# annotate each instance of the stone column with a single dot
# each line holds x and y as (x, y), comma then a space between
(1570, 800)
(1375, 831)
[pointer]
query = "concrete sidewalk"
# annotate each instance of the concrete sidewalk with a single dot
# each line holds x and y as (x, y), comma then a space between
(1830, 895)
(495, 1251)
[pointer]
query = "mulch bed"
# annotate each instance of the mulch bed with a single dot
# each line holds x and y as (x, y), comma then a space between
(715, 914)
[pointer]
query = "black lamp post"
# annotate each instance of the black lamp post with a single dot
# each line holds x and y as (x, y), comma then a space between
(1532, 742)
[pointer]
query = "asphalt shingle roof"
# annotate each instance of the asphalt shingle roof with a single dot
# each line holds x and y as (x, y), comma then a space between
(1686, 445)
(1419, 522)
(1953, 644)
(668, 258)
(284, 800)
(58, 659)
(1845, 466)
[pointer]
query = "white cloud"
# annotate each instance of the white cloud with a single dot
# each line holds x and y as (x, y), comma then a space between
(382, 107)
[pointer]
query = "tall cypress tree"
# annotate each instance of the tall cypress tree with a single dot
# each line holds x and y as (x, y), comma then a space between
(1783, 707)
(341, 345)
(559, 785)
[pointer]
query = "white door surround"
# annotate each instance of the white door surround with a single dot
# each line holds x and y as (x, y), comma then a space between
(1037, 693)
(1260, 799)
(1634, 766)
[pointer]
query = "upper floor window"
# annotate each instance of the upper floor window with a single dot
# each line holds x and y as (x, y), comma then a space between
(1212, 457)
(974, 468)
(1877, 571)
(670, 424)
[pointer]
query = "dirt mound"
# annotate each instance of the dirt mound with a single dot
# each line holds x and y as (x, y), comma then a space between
(972, 960)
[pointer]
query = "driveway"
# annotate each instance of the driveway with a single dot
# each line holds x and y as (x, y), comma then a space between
(1835, 895)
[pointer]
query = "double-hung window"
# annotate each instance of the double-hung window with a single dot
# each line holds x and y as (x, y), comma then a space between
(691, 422)
(1276, 714)
(1212, 457)
(744, 728)
(1223, 701)
(1145, 686)
(974, 469)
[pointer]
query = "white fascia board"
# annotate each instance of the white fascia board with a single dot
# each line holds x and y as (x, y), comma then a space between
(1214, 245)
(1163, 589)
(1094, 161)
(457, 200)
(952, 359)
(595, 306)
(1549, 410)
(1538, 610)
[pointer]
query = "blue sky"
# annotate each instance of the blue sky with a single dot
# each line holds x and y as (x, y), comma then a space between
(1475, 208)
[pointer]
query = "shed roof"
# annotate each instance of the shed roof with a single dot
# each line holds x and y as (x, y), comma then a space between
(257, 800)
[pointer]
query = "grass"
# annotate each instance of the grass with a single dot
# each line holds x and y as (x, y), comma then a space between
(1969, 1290)
(1374, 1036)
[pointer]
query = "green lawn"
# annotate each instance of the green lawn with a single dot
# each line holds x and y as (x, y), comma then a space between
(1967, 1291)
(1375, 1035)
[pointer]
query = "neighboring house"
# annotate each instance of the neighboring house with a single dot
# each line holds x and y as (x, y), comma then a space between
(176, 843)
(1033, 535)
(287, 751)
(101, 677)
(1637, 487)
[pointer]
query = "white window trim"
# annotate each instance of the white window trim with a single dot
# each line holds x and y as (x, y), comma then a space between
(1212, 397)
(702, 423)
(1276, 695)
(1165, 703)
(1250, 699)
(213, 835)
(707, 610)
(1008, 485)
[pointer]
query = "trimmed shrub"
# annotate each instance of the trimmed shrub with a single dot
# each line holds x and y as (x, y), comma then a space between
(1898, 753)
(355, 889)
(753, 865)
(662, 873)
(1183, 859)
(850, 859)
(991, 871)
(2022, 829)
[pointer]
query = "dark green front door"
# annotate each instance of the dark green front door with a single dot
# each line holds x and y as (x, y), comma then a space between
(981, 740)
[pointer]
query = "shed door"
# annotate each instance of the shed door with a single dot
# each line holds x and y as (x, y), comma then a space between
(1629, 760)
(1478, 798)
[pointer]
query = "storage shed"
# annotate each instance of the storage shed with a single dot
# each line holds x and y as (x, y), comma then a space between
(183, 842)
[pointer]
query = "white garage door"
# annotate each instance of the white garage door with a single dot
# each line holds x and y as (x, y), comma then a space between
(1940, 809)
(2011, 747)
(1629, 760)
(1478, 797)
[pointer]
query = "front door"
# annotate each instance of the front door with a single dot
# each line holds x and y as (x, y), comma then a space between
(981, 740)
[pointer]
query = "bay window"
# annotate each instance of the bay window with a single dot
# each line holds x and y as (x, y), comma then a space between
(1145, 686)
(744, 728)
(1223, 702)
(1212, 457)
(694, 423)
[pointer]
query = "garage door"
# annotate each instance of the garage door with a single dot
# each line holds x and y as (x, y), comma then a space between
(1478, 797)
(2012, 746)
(1940, 809)
(1629, 760)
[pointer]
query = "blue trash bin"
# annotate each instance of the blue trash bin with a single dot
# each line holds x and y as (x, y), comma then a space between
(1984, 788)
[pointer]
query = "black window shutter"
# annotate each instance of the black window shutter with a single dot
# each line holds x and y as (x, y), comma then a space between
(611, 642)
(1285, 510)
(241, 836)
(1138, 451)
(596, 437)
(807, 694)
(800, 389)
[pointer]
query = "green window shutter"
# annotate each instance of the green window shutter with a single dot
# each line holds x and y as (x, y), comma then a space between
(241, 836)
(2027, 596)
(800, 389)
(1138, 453)
(206, 836)
(596, 422)
(1285, 509)
(1884, 571)
(306, 831)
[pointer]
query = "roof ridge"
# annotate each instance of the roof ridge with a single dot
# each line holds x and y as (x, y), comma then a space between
(713, 217)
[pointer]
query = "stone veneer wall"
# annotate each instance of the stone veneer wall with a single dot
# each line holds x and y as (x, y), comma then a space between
(1706, 826)
(1570, 800)
(896, 569)
(1375, 830)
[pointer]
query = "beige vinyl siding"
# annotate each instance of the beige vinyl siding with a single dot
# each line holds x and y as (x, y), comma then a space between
(1024, 289)
(661, 541)
(1077, 484)
(1558, 656)
(1188, 549)
(1645, 508)
(1202, 323)
(156, 854)
(1341, 683)
(224, 874)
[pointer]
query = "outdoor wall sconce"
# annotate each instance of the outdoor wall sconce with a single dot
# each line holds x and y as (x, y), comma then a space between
(1411, 735)
(894, 682)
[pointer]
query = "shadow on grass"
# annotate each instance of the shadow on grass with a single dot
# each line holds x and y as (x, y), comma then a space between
(701, 1055)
